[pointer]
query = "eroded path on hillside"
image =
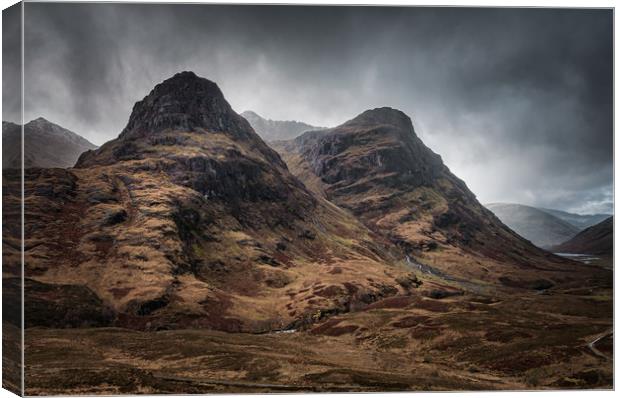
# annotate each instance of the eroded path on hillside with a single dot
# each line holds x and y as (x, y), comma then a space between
(596, 351)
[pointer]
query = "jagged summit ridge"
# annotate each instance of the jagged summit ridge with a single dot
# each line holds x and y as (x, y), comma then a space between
(184, 102)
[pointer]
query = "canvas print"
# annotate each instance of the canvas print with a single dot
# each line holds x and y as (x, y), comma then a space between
(268, 199)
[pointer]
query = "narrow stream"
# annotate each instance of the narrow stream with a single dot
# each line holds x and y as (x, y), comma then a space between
(427, 269)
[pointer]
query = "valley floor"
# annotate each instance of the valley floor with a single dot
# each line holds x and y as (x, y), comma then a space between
(559, 340)
(603, 261)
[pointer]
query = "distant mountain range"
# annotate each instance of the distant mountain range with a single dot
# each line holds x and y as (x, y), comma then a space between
(581, 221)
(597, 239)
(543, 227)
(274, 130)
(45, 145)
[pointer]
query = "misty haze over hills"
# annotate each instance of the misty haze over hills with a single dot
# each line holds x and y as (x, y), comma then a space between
(45, 145)
(273, 130)
(581, 221)
(541, 228)
(544, 227)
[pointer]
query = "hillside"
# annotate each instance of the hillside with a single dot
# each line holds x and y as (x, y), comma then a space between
(597, 239)
(187, 256)
(376, 167)
(540, 227)
(274, 130)
(45, 145)
(188, 219)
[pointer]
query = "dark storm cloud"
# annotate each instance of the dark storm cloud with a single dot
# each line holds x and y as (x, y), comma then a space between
(517, 102)
(11, 63)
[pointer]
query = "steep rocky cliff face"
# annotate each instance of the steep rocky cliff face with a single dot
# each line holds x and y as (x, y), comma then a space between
(188, 219)
(376, 167)
(186, 131)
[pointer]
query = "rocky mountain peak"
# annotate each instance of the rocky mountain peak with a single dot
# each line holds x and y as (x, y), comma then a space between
(377, 147)
(382, 116)
(182, 105)
(247, 114)
(46, 144)
(41, 123)
(38, 121)
(184, 102)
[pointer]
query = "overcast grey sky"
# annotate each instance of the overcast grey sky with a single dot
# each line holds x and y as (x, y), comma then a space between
(518, 102)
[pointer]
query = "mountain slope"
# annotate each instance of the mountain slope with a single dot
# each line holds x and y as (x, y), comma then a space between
(273, 130)
(188, 219)
(45, 145)
(581, 221)
(540, 227)
(376, 167)
(597, 239)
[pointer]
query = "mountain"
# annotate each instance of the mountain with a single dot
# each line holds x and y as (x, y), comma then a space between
(540, 227)
(597, 239)
(45, 145)
(581, 221)
(376, 167)
(274, 130)
(379, 272)
(188, 219)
